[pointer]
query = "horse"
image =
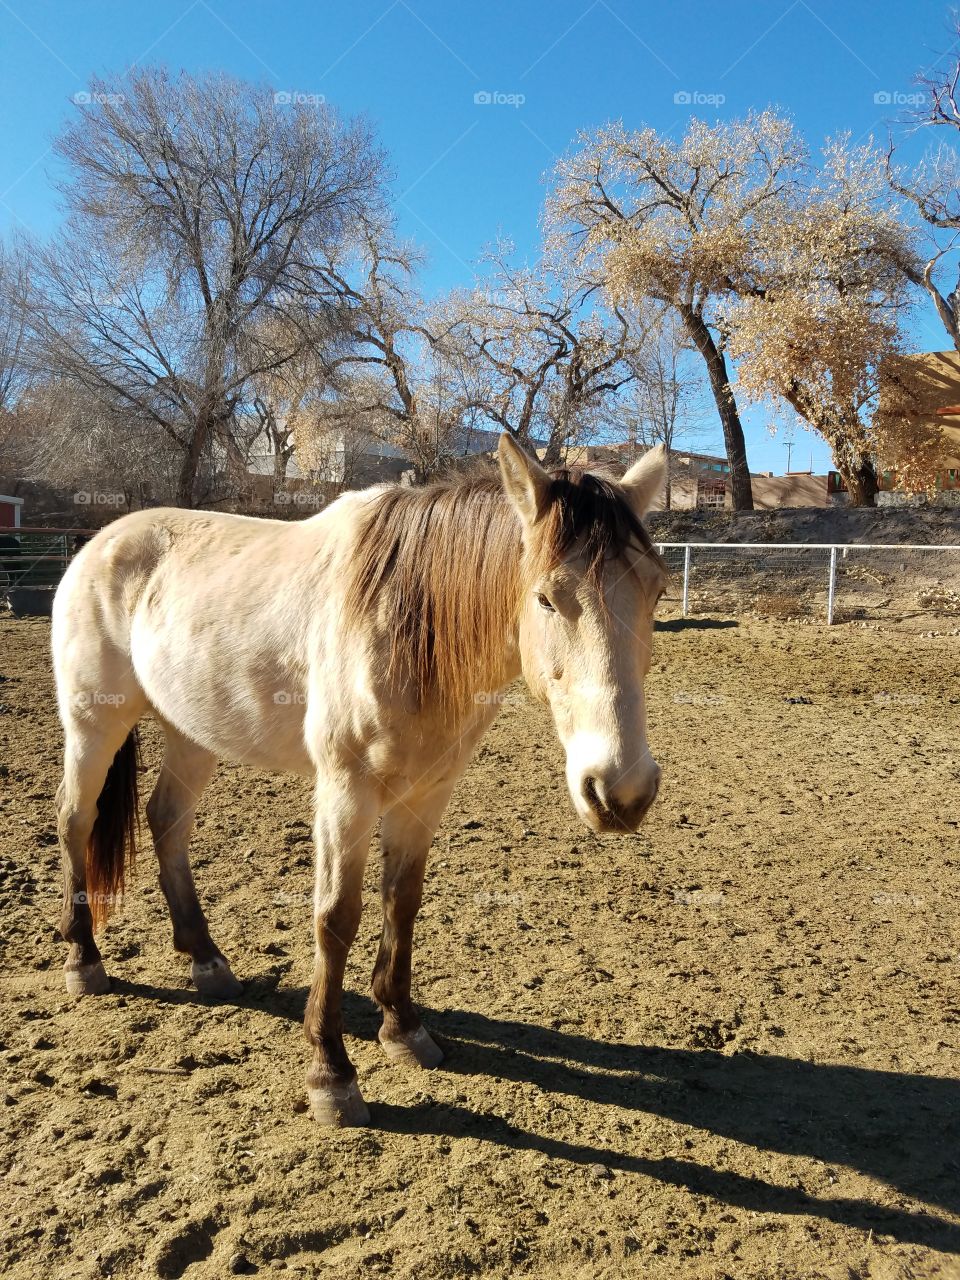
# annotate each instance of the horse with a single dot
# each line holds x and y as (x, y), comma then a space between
(363, 648)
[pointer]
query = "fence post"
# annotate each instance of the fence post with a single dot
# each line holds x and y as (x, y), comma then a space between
(686, 578)
(831, 585)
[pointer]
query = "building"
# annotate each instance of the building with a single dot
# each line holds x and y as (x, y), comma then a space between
(10, 511)
(933, 378)
(701, 480)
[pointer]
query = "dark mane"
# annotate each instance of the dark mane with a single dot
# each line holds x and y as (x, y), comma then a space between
(442, 566)
(589, 512)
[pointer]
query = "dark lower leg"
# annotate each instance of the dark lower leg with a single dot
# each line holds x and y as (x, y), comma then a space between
(83, 968)
(76, 919)
(402, 895)
(336, 929)
(191, 934)
(170, 813)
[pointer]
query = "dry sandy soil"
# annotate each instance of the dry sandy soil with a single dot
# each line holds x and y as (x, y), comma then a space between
(725, 1047)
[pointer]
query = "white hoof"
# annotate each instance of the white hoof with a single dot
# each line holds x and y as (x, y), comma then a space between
(213, 978)
(87, 980)
(415, 1049)
(339, 1106)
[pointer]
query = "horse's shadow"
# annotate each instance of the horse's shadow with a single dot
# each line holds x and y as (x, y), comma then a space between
(903, 1130)
(694, 624)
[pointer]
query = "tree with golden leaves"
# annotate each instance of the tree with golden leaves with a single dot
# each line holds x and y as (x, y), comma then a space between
(820, 324)
(679, 222)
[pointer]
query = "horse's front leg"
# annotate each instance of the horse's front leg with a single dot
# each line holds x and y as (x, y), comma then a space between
(406, 834)
(346, 810)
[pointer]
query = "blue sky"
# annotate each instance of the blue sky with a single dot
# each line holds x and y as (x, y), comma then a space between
(465, 171)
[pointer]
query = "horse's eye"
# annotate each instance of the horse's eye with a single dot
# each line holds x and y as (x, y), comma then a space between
(544, 602)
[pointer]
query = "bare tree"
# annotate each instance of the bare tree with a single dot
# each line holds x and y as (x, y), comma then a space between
(198, 207)
(16, 369)
(71, 439)
(284, 397)
(550, 353)
(933, 189)
(399, 380)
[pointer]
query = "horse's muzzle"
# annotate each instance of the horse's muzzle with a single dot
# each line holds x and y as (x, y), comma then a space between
(621, 807)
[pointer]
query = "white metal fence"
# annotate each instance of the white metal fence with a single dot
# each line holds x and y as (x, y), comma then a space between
(834, 582)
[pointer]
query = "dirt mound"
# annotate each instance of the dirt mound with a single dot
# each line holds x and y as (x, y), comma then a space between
(926, 526)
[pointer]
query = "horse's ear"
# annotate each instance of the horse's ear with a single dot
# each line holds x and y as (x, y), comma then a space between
(644, 481)
(525, 481)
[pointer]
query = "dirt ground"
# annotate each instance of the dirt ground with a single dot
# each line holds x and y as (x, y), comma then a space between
(725, 1047)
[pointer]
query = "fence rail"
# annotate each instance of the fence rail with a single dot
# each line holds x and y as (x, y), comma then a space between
(833, 581)
(36, 557)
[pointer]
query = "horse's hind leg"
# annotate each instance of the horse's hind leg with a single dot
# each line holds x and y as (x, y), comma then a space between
(406, 834)
(185, 771)
(96, 740)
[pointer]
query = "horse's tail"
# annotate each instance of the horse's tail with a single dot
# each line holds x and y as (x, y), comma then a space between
(112, 844)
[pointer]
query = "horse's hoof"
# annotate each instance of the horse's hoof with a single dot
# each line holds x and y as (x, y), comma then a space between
(87, 980)
(339, 1106)
(414, 1049)
(213, 978)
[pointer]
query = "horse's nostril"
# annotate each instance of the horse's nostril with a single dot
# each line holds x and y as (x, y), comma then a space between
(621, 810)
(590, 794)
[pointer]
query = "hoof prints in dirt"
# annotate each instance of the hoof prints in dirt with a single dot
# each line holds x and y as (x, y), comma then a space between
(190, 1243)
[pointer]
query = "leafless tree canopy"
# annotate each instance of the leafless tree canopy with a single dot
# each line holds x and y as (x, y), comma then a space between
(933, 189)
(15, 366)
(229, 283)
(197, 209)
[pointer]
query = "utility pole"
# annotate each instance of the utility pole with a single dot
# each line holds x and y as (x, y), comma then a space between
(789, 451)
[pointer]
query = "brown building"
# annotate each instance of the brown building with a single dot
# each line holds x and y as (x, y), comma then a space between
(700, 480)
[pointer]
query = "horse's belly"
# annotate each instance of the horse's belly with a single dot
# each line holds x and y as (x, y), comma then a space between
(238, 704)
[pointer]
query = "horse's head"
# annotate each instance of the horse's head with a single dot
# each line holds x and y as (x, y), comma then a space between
(591, 583)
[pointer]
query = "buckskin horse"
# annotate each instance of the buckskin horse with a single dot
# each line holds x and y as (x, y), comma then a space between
(363, 649)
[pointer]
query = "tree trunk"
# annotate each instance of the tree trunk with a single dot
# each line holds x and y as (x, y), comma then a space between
(187, 482)
(552, 453)
(860, 477)
(736, 445)
(280, 459)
